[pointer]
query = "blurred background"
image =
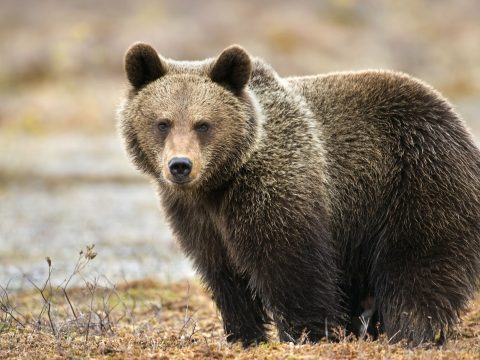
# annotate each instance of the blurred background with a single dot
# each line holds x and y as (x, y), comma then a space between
(65, 181)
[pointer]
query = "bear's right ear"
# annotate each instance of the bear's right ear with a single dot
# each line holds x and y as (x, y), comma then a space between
(143, 65)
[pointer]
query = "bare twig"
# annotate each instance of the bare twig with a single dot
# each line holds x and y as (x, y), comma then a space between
(47, 302)
(70, 303)
(92, 289)
(83, 259)
(7, 308)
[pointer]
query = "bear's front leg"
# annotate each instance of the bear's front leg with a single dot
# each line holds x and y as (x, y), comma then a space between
(292, 262)
(243, 314)
(299, 286)
(304, 300)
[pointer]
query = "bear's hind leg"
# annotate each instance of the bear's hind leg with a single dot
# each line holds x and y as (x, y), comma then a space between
(423, 283)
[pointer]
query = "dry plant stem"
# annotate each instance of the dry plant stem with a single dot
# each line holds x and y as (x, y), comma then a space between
(81, 263)
(7, 308)
(107, 309)
(188, 319)
(47, 302)
(70, 303)
(91, 288)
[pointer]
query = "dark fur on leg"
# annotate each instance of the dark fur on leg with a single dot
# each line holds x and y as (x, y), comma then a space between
(300, 286)
(244, 317)
(425, 264)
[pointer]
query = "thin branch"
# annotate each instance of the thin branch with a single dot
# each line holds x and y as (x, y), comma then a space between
(70, 303)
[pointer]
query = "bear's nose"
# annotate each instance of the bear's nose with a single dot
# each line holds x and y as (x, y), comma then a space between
(180, 167)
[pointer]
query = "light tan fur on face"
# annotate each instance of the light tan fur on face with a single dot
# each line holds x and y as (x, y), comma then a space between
(182, 141)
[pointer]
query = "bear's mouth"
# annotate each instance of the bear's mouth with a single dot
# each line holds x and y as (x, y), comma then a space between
(180, 181)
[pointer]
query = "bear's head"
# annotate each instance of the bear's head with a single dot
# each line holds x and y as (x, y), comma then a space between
(189, 125)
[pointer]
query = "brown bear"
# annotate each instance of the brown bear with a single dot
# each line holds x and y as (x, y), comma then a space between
(299, 199)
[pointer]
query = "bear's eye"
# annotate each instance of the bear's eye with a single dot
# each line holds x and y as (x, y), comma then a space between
(202, 127)
(163, 125)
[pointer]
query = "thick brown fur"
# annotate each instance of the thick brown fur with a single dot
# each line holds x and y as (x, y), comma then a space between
(311, 194)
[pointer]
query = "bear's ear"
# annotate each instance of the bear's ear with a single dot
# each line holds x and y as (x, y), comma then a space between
(143, 65)
(232, 69)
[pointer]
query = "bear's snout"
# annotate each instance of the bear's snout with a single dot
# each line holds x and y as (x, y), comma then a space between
(180, 168)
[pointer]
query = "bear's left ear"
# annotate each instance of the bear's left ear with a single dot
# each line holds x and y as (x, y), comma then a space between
(143, 65)
(232, 69)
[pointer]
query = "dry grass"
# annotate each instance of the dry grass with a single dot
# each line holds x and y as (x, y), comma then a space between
(147, 319)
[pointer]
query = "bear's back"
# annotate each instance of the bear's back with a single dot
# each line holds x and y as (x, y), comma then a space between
(385, 133)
